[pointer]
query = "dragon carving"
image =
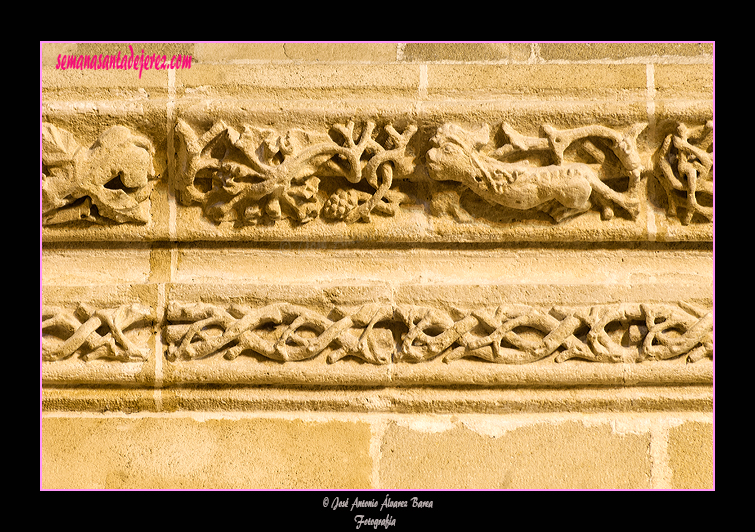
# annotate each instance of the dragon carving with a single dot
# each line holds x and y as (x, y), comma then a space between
(562, 189)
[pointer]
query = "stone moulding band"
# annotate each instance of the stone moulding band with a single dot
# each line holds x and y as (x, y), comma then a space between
(383, 334)
(253, 176)
(433, 400)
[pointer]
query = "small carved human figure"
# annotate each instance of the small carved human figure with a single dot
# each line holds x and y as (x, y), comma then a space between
(456, 156)
(685, 169)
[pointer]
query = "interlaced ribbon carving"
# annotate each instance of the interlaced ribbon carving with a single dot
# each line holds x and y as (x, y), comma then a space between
(382, 333)
(205, 330)
(94, 333)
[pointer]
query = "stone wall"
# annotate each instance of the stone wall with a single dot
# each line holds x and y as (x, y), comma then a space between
(377, 265)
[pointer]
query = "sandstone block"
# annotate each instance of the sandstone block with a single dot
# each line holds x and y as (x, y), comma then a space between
(467, 52)
(567, 455)
(358, 52)
(620, 51)
(691, 455)
(683, 81)
(299, 80)
(155, 453)
(545, 81)
(218, 52)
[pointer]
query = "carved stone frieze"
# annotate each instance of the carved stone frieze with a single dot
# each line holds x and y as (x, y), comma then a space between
(413, 183)
(109, 182)
(685, 169)
(282, 177)
(91, 334)
(258, 176)
(383, 333)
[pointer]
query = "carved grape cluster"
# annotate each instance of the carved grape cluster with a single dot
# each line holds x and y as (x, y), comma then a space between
(339, 204)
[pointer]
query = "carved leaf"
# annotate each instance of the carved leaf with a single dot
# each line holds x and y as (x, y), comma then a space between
(58, 145)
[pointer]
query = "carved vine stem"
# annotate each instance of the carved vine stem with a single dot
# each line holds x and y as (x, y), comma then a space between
(284, 172)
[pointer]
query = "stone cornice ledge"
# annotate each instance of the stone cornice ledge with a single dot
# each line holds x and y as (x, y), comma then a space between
(433, 400)
(462, 373)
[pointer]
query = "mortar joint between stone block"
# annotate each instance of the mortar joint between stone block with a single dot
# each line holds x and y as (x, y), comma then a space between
(377, 431)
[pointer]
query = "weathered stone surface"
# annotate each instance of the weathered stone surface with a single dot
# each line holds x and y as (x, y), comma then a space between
(283, 181)
(100, 399)
(416, 318)
(277, 81)
(557, 450)
(622, 82)
(679, 81)
(457, 52)
(619, 51)
(685, 170)
(639, 332)
(406, 400)
(170, 453)
(439, 265)
(112, 178)
(383, 179)
(567, 455)
(561, 190)
(104, 170)
(691, 455)
(91, 334)
(358, 52)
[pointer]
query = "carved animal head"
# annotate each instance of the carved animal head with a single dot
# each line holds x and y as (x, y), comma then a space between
(450, 158)
(113, 175)
(456, 156)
